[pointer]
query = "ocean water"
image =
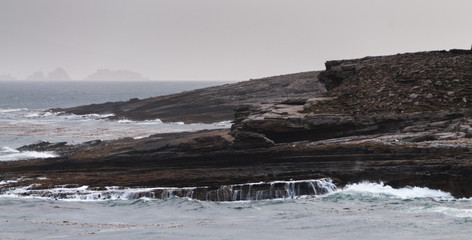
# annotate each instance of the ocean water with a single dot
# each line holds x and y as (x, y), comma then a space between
(359, 211)
(285, 209)
(43, 95)
(24, 118)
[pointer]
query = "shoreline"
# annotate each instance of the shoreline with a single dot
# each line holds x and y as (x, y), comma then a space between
(382, 119)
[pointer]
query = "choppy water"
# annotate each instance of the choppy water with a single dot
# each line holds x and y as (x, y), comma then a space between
(310, 209)
(359, 211)
(41, 95)
(19, 127)
(24, 119)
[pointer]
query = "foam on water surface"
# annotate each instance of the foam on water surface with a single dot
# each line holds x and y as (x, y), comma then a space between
(10, 154)
(376, 190)
(9, 110)
(22, 127)
(237, 192)
(323, 188)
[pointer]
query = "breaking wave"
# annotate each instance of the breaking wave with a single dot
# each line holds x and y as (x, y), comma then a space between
(9, 110)
(301, 189)
(449, 211)
(26, 127)
(371, 190)
(237, 192)
(10, 154)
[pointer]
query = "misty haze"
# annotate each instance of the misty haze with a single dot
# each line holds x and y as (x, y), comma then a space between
(210, 119)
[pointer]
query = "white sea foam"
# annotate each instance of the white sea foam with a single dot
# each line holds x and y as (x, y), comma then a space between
(84, 193)
(450, 211)
(155, 121)
(238, 192)
(10, 154)
(5, 182)
(92, 116)
(141, 137)
(8, 110)
(125, 121)
(27, 127)
(382, 190)
(222, 124)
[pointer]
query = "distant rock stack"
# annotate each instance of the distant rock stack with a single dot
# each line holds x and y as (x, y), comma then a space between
(57, 75)
(115, 75)
(7, 77)
(37, 76)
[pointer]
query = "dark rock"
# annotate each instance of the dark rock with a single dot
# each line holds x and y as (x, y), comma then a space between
(295, 101)
(251, 140)
(390, 83)
(336, 72)
(43, 146)
(209, 105)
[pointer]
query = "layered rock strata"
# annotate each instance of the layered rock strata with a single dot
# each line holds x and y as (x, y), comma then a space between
(403, 119)
(211, 104)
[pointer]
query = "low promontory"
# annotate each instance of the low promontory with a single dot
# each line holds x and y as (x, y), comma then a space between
(403, 119)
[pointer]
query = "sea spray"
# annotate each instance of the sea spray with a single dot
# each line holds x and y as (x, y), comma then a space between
(10, 154)
(271, 190)
(372, 191)
(324, 188)
(25, 127)
(236, 192)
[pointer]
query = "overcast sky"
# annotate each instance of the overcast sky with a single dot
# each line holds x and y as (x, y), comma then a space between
(219, 39)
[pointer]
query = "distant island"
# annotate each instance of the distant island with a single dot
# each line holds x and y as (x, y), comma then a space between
(7, 77)
(115, 75)
(59, 74)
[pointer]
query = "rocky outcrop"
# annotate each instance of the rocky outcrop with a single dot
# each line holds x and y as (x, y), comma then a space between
(212, 104)
(375, 95)
(404, 119)
(212, 159)
(412, 82)
(58, 74)
(414, 101)
(7, 77)
(36, 76)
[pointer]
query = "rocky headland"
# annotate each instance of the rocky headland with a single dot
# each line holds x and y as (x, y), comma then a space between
(213, 104)
(403, 119)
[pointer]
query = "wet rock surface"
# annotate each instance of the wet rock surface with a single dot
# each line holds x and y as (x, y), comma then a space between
(404, 120)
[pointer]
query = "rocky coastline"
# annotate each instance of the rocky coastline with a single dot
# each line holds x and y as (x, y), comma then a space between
(405, 120)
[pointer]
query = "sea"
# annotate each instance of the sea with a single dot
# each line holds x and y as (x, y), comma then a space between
(362, 210)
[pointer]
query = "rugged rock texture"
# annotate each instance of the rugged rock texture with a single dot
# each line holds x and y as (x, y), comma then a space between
(212, 104)
(412, 82)
(383, 95)
(211, 159)
(403, 119)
